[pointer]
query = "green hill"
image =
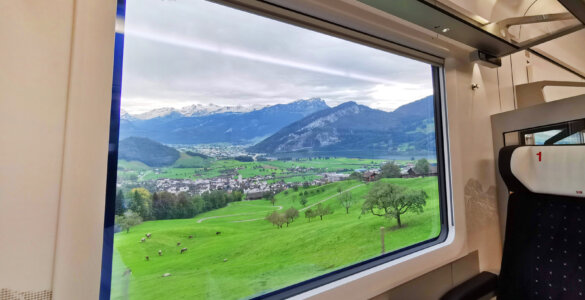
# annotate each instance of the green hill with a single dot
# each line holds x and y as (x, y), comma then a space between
(147, 151)
(260, 257)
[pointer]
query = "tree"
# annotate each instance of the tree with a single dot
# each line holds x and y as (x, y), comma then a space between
(422, 166)
(355, 176)
(339, 189)
(140, 202)
(309, 214)
(290, 215)
(127, 220)
(391, 201)
(184, 207)
(120, 203)
(271, 198)
(276, 219)
(391, 170)
(322, 211)
(306, 184)
(304, 201)
(346, 200)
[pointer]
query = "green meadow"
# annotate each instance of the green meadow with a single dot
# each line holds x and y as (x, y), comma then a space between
(194, 167)
(251, 256)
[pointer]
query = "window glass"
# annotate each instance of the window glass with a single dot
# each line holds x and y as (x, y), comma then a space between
(543, 136)
(254, 154)
(567, 133)
(575, 138)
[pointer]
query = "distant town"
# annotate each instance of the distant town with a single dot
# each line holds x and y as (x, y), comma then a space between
(278, 178)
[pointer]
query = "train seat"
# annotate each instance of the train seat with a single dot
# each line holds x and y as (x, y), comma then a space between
(544, 247)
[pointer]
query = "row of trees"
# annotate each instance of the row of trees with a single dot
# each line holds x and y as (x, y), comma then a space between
(279, 219)
(320, 211)
(383, 199)
(165, 205)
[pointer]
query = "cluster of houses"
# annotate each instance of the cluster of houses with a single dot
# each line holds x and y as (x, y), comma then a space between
(258, 186)
(224, 182)
(408, 171)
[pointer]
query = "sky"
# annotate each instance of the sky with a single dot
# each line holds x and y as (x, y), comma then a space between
(183, 52)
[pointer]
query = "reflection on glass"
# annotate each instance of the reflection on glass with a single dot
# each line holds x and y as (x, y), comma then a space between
(543, 136)
(254, 154)
(575, 138)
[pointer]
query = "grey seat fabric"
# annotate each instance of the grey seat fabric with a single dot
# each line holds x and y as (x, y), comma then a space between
(544, 248)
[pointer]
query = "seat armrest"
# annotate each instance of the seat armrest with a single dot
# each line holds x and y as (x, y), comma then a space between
(474, 288)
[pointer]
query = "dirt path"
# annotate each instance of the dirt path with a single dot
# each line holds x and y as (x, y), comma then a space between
(334, 195)
(303, 209)
(242, 214)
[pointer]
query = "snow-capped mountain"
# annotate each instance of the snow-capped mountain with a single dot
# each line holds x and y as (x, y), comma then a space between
(209, 109)
(194, 110)
(156, 113)
(200, 124)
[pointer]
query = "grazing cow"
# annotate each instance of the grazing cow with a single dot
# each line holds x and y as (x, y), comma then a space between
(142, 240)
(178, 243)
(166, 274)
(127, 272)
(148, 235)
(159, 252)
(183, 250)
(225, 260)
(190, 236)
(218, 233)
(147, 258)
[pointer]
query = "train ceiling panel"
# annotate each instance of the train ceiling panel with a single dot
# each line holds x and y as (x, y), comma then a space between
(500, 28)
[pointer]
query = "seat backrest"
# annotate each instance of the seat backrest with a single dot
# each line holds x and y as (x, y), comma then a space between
(544, 247)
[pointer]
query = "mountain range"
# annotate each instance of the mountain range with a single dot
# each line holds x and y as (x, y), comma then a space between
(304, 127)
(195, 110)
(238, 125)
(355, 130)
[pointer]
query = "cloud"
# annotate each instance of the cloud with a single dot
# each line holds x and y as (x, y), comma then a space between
(182, 52)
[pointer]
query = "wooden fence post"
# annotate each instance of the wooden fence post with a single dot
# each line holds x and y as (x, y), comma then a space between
(382, 239)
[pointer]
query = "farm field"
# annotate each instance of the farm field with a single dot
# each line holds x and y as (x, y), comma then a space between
(194, 168)
(260, 257)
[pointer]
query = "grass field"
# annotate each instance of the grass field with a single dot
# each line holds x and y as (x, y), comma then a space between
(193, 167)
(260, 257)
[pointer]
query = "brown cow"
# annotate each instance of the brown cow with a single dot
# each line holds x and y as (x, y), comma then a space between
(178, 243)
(142, 240)
(148, 235)
(218, 233)
(190, 236)
(183, 250)
(147, 258)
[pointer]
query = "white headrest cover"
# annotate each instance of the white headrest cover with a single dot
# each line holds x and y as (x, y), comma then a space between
(559, 171)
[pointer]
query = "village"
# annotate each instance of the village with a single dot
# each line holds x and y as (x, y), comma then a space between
(259, 186)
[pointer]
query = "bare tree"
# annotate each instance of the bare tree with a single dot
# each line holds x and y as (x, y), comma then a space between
(322, 211)
(346, 200)
(290, 215)
(309, 214)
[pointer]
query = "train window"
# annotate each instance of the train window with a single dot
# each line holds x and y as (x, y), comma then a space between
(567, 133)
(261, 159)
